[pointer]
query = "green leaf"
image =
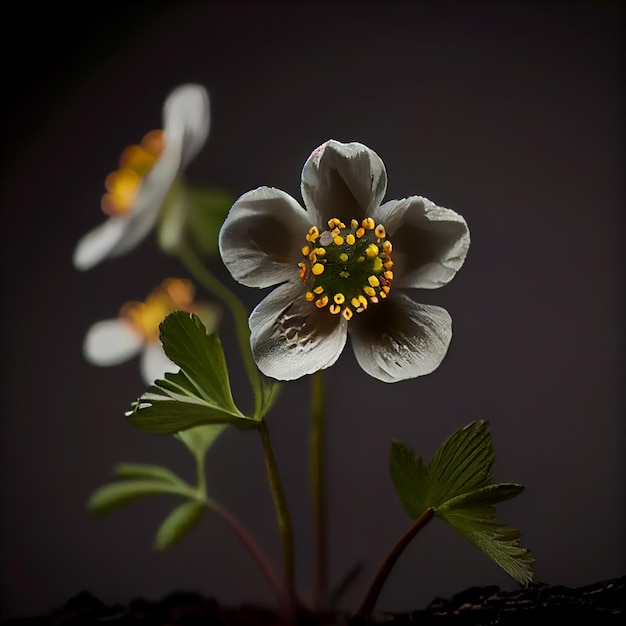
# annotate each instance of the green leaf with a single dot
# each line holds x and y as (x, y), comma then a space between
(206, 211)
(410, 478)
(199, 393)
(134, 470)
(456, 486)
(181, 520)
(464, 462)
(114, 496)
(476, 521)
(200, 438)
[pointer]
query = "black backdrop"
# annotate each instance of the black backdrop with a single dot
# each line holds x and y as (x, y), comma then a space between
(511, 113)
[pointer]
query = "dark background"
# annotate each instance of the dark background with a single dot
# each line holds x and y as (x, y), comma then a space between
(510, 113)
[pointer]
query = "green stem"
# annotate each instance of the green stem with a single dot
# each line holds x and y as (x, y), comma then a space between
(240, 315)
(318, 489)
(372, 595)
(257, 554)
(282, 511)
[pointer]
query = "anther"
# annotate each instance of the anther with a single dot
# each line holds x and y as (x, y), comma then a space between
(372, 280)
(371, 250)
(339, 298)
(334, 309)
(317, 269)
(368, 223)
(338, 240)
(347, 313)
(380, 231)
(321, 302)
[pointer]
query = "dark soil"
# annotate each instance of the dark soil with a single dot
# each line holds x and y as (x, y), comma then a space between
(592, 605)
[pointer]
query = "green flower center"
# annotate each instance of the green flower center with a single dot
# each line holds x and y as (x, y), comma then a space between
(347, 268)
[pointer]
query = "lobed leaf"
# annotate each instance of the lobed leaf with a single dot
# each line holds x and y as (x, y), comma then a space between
(196, 395)
(456, 485)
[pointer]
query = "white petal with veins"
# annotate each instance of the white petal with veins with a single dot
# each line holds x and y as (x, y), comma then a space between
(344, 181)
(430, 242)
(261, 239)
(400, 339)
(291, 337)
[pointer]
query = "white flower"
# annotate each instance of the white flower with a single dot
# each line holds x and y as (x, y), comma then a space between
(138, 191)
(136, 330)
(338, 271)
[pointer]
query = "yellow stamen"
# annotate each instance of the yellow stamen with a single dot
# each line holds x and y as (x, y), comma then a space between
(371, 250)
(321, 302)
(368, 223)
(338, 240)
(334, 309)
(380, 231)
(373, 280)
(350, 239)
(339, 298)
(317, 269)
(347, 313)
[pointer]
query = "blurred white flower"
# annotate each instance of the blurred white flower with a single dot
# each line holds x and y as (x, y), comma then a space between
(143, 185)
(136, 330)
(338, 272)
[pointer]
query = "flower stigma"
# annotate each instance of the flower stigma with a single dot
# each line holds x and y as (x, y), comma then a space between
(346, 268)
(171, 295)
(123, 184)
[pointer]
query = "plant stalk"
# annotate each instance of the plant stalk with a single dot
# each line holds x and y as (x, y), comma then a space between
(257, 554)
(282, 511)
(318, 490)
(372, 595)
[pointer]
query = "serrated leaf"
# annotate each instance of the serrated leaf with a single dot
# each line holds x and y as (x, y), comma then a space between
(196, 395)
(114, 496)
(477, 522)
(180, 521)
(456, 486)
(135, 470)
(410, 478)
(200, 357)
(463, 462)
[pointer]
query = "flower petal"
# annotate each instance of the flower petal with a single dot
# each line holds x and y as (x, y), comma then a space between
(399, 339)
(97, 244)
(430, 243)
(154, 363)
(343, 180)
(111, 342)
(261, 239)
(292, 337)
(186, 120)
